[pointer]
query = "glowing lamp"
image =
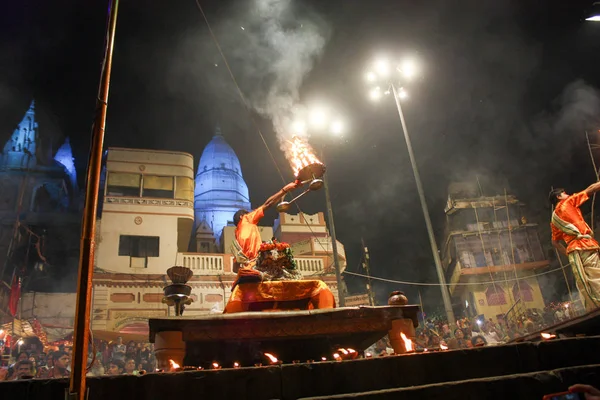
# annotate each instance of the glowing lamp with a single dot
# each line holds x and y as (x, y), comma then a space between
(593, 15)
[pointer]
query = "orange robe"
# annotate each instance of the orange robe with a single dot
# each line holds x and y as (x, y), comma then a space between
(568, 210)
(248, 237)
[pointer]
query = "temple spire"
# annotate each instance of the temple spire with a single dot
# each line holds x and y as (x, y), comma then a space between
(20, 150)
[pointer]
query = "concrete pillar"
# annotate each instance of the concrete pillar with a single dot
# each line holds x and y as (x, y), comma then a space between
(399, 326)
(169, 345)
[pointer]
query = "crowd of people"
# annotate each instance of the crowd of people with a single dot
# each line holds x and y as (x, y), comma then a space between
(114, 358)
(479, 331)
(435, 333)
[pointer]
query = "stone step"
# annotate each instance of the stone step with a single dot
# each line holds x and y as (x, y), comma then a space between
(515, 387)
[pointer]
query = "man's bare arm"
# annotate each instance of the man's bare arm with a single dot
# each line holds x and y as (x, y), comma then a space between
(593, 188)
(271, 201)
(560, 247)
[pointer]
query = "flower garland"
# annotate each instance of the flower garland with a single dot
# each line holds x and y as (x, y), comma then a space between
(273, 244)
(282, 248)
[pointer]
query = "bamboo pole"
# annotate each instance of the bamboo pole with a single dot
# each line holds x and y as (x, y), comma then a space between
(81, 334)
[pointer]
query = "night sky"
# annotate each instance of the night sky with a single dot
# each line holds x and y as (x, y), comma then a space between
(506, 92)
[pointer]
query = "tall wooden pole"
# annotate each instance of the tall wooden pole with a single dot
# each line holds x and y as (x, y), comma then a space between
(81, 335)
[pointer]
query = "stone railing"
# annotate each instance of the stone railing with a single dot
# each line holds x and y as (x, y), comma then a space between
(202, 264)
(310, 265)
(216, 264)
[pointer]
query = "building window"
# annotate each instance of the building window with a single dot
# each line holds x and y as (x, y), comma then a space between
(480, 260)
(158, 186)
(139, 246)
(495, 296)
(526, 291)
(184, 188)
(123, 184)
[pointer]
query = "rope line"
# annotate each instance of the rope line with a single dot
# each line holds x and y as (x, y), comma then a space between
(450, 284)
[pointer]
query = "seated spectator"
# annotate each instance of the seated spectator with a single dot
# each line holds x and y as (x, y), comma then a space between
(61, 362)
(23, 370)
(34, 362)
(489, 333)
(458, 342)
(115, 367)
(97, 369)
(130, 367)
(478, 341)
(44, 370)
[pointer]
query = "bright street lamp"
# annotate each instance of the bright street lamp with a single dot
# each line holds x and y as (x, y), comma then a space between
(593, 14)
(319, 118)
(337, 127)
(407, 69)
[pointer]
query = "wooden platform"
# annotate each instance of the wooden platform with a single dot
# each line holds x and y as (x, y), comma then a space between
(291, 335)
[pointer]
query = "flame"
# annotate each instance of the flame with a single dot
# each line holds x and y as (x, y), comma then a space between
(301, 155)
(236, 364)
(351, 350)
(443, 346)
(408, 344)
(216, 365)
(344, 351)
(271, 357)
(547, 335)
(425, 350)
(368, 355)
(174, 365)
(337, 357)
(323, 359)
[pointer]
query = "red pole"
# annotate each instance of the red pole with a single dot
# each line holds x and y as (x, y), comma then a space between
(81, 334)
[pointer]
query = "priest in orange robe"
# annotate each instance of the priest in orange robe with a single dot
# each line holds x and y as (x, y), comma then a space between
(247, 244)
(568, 226)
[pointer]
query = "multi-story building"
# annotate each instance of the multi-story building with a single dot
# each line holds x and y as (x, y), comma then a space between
(491, 253)
(146, 223)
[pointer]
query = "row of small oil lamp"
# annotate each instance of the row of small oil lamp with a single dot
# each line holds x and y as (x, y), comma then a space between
(341, 354)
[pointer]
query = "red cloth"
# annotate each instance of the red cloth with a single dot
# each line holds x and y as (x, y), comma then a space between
(280, 295)
(568, 210)
(15, 295)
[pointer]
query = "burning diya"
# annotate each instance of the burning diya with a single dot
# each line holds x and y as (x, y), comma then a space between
(307, 169)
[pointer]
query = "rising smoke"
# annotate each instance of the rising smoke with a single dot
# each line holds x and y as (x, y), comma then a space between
(272, 45)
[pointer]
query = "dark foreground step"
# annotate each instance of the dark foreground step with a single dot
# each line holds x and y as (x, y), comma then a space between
(532, 386)
(292, 381)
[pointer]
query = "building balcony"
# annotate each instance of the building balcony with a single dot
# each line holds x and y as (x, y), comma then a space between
(504, 268)
(213, 264)
(317, 246)
(463, 274)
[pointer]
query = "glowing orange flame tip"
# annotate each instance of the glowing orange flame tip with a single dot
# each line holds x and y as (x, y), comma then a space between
(408, 345)
(271, 357)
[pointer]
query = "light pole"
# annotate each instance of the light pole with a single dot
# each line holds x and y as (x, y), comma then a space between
(318, 119)
(383, 73)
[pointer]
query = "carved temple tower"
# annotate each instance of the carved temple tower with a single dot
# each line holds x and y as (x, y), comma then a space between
(220, 187)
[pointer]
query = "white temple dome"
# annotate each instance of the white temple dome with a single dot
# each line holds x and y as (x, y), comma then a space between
(220, 187)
